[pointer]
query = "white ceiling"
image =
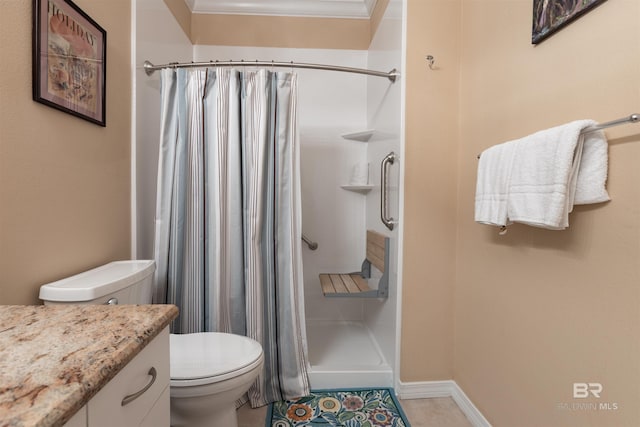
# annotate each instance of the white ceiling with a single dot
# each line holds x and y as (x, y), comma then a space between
(317, 8)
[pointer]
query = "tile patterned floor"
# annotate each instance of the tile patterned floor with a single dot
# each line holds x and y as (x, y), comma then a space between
(436, 412)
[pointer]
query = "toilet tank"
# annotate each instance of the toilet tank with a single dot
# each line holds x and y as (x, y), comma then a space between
(119, 282)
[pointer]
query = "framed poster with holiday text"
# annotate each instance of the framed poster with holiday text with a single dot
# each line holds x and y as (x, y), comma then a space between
(69, 60)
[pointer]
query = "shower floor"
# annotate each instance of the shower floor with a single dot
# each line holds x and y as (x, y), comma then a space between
(345, 354)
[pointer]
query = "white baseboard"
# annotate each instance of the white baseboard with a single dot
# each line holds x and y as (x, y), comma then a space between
(449, 388)
(425, 389)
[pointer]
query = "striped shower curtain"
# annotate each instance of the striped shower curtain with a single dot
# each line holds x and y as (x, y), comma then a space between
(228, 216)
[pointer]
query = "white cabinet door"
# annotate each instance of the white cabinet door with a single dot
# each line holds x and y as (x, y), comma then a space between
(79, 419)
(135, 383)
(159, 414)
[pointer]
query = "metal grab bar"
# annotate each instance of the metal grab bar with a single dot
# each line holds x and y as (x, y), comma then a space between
(312, 245)
(386, 220)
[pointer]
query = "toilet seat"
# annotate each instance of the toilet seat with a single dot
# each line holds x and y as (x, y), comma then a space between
(209, 357)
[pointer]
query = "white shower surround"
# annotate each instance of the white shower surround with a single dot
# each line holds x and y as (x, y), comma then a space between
(331, 104)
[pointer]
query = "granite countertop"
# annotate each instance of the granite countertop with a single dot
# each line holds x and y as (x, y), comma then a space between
(54, 358)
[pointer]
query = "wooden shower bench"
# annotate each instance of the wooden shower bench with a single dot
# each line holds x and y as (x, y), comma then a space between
(355, 284)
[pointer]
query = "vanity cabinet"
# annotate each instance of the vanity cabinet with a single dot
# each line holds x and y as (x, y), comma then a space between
(79, 419)
(138, 396)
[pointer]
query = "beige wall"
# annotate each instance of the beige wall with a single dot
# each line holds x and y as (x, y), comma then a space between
(277, 31)
(515, 320)
(182, 14)
(536, 310)
(293, 32)
(430, 190)
(64, 182)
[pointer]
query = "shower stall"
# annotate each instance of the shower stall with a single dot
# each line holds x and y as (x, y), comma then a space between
(353, 341)
(348, 124)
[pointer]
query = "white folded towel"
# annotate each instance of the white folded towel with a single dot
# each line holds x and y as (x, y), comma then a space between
(592, 175)
(536, 180)
(492, 186)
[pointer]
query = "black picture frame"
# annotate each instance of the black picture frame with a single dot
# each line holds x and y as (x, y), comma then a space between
(69, 60)
(549, 16)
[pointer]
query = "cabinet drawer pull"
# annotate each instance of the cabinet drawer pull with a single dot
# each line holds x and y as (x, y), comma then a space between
(130, 398)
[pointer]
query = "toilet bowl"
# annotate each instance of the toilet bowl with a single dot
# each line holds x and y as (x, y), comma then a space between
(209, 370)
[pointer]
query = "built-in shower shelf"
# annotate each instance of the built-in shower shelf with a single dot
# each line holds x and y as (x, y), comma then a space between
(369, 135)
(363, 136)
(364, 189)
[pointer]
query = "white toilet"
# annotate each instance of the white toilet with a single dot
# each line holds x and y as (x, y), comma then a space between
(209, 370)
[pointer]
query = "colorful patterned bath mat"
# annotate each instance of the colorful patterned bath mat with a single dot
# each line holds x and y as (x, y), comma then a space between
(339, 408)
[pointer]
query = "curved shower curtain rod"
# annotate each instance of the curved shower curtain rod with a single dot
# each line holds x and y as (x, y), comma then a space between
(149, 68)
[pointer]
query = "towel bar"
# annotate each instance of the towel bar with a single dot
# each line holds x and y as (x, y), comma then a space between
(633, 118)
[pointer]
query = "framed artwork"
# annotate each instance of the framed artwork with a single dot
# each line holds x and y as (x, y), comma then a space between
(69, 60)
(551, 15)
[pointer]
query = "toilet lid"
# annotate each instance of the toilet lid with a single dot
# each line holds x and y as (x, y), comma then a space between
(210, 354)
